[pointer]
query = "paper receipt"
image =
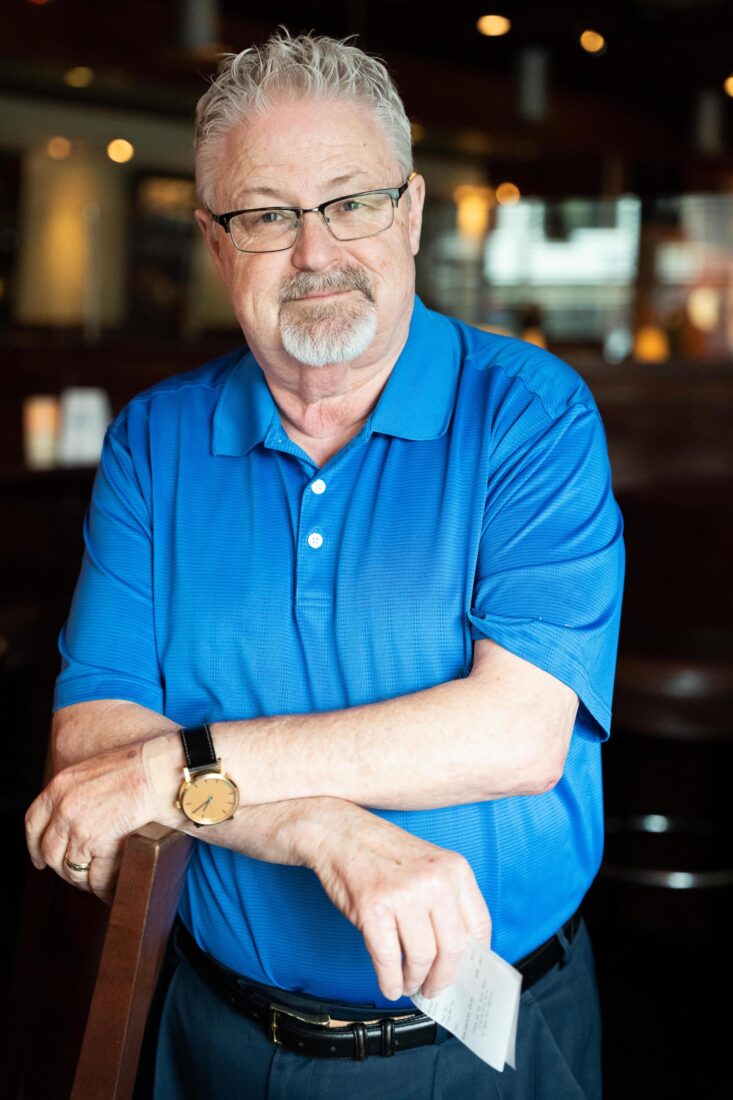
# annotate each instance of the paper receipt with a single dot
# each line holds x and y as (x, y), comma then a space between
(481, 1007)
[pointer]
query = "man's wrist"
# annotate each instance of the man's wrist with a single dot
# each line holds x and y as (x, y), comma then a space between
(322, 828)
(164, 761)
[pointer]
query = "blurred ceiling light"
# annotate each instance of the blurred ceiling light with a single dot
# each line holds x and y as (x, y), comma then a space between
(703, 308)
(592, 42)
(38, 3)
(728, 85)
(493, 26)
(58, 148)
(474, 204)
(651, 344)
(508, 194)
(120, 151)
(81, 76)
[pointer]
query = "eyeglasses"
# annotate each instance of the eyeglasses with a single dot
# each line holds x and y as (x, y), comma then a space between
(348, 218)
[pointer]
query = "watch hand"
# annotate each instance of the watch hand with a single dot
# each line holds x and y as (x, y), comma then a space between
(203, 805)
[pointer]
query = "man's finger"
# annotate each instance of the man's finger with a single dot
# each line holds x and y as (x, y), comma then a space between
(36, 820)
(56, 844)
(102, 876)
(475, 912)
(450, 937)
(383, 944)
(76, 877)
(418, 947)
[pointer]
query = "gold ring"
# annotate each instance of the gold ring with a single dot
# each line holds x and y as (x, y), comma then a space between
(76, 866)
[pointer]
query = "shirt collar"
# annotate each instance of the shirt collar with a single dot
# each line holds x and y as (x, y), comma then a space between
(416, 402)
(245, 411)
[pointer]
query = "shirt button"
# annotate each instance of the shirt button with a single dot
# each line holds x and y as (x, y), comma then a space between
(318, 486)
(315, 541)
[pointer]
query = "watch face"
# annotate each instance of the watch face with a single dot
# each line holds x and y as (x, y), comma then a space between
(209, 799)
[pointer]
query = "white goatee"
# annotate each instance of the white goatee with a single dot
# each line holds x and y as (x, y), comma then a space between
(335, 330)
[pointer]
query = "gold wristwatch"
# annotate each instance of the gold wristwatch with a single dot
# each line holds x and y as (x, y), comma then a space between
(208, 795)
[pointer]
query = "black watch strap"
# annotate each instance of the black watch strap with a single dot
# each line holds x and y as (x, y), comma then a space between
(198, 747)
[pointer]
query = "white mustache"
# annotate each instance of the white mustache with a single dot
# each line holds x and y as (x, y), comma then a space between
(304, 283)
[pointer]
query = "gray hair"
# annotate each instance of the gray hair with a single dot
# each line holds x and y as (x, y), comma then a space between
(250, 82)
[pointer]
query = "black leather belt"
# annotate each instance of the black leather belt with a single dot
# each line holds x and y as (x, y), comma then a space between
(308, 1033)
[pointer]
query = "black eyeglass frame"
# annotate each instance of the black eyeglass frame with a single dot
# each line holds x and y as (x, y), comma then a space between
(395, 193)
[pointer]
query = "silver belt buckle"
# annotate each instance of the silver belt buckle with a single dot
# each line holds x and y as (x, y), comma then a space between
(321, 1019)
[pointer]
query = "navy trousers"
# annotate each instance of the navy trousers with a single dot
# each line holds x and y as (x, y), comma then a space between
(205, 1048)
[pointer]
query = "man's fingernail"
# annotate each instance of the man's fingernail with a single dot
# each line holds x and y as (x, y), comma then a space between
(394, 994)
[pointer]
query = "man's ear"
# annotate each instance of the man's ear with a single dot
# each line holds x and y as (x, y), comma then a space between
(215, 238)
(415, 208)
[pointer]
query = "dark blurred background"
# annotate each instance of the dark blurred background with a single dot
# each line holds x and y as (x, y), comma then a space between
(579, 165)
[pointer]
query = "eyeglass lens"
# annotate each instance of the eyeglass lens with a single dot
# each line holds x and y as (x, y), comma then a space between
(348, 219)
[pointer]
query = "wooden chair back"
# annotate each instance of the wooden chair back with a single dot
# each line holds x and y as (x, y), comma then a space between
(85, 975)
(140, 921)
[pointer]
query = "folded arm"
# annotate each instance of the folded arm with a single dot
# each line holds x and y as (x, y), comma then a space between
(414, 903)
(503, 730)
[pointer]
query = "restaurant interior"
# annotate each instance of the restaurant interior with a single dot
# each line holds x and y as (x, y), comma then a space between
(578, 159)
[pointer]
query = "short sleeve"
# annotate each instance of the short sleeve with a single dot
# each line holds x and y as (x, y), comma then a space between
(107, 645)
(551, 560)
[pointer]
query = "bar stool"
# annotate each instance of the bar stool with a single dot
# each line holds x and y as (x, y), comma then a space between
(668, 834)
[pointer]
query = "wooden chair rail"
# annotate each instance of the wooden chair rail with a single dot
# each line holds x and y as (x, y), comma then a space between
(151, 875)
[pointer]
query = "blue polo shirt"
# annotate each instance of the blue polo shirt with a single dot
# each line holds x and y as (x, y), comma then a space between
(227, 577)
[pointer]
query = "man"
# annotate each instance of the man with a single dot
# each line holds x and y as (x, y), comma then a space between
(373, 565)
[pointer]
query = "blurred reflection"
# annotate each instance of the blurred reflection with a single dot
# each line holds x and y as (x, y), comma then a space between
(89, 244)
(71, 263)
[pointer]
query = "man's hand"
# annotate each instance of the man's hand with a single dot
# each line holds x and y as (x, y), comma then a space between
(413, 902)
(88, 810)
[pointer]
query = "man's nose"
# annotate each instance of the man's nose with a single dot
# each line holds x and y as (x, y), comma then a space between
(315, 247)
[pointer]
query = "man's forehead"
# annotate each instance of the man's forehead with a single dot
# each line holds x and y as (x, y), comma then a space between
(310, 145)
(350, 181)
